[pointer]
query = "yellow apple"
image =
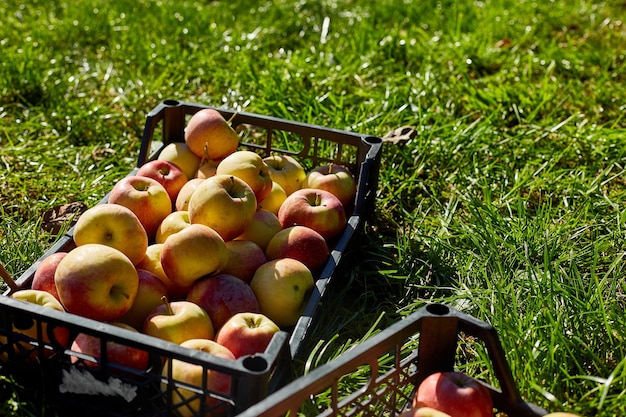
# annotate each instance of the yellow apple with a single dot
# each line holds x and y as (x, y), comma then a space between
(282, 288)
(286, 171)
(210, 136)
(192, 253)
(113, 225)
(179, 153)
(225, 203)
(178, 321)
(173, 223)
(262, 228)
(182, 200)
(248, 166)
(275, 198)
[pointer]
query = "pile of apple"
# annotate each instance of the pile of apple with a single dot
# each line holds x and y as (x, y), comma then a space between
(207, 246)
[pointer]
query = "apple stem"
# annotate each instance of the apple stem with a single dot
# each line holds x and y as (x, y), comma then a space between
(330, 168)
(167, 305)
(318, 199)
(8, 279)
(205, 153)
(230, 121)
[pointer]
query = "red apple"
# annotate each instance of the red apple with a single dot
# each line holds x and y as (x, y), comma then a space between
(222, 296)
(43, 279)
(178, 321)
(168, 174)
(96, 281)
(146, 197)
(210, 136)
(334, 178)
(246, 333)
(244, 257)
(249, 167)
(318, 209)
(186, 402)
(225, 203)
(301, 243)
(117, 353)
(456, 394)
(150, 293)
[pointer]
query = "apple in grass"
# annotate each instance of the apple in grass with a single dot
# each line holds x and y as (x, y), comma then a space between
(222, 296)
(246, 333)
(43, 279)
(145, 197)
(150, 294)
(454, 393)
(210, 136)
(173, 223)
(177, 321)
(282, 288)
(248, 166)
(116, 353)
(319, 210)
(187, 403)
(225, 203)
(96, 281)
(182, 200)
(168, 174)
(334, 178)
(113, 225)
(286, 171)
(275, 198)
(192, 253)
(179, 154)
(262, 228)
(301, 243)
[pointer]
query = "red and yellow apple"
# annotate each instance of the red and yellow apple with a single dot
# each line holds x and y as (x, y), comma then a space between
(150, 293)
(249, 167)
(301, 243)
(177, 321)
(225, 203)
(246, 333)
(195, 251)
(286, 171)
(43, 278)
(222, 296)
(96, 281)
(145, 197)
(207, 168)
(333, 178)
(282, 288)
(168, 174)
(318, 209)
(152, 263)
(262, 228)
(244, 257)
(113, 225)
(173, 223)
(274, 200)
(179, 154)
(210, 136)
(186, 402)
(182, 200)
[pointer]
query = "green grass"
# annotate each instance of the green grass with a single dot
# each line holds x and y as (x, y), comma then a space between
(508, 203)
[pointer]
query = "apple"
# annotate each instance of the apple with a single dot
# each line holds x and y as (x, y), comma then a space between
(150, 293)
(168, 174)
(96, 281)
(225, 203)
(454, 393)
(177, 321)
(182, 200)
(115, 226)
(152, 263)
(423, 412)
(192, 253)
(246, 333)
(282, 288)
(179, 154)
(244, 257)
(117, 353)
(222, 296)
(262, 228)
(301, 243)
(286, 171)
(146, 197)
(210, 136)
(207, 168)
(318, 209)
(186, 402)
(249, 167)
(334, 178)
(43, 278)
(28, 327)
(173, 223)
(275, 198)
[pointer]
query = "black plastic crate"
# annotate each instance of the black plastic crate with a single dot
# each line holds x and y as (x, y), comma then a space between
(397, 359)
(108, 390)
